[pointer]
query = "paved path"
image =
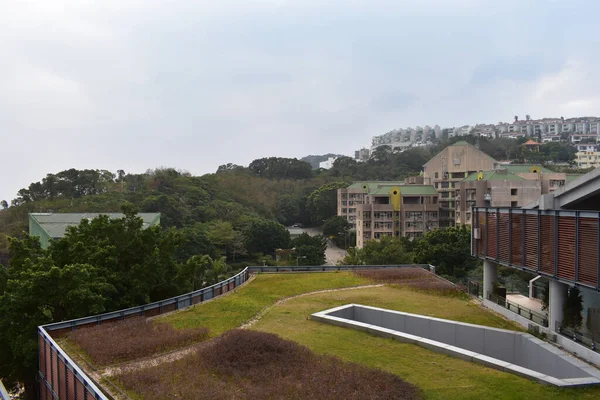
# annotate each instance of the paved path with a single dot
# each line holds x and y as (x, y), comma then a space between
(532, 304)
(333, 254)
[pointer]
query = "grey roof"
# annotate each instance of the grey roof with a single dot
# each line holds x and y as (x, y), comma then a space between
(55, 224)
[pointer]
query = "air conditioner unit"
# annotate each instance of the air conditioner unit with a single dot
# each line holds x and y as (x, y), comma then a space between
(476, 233)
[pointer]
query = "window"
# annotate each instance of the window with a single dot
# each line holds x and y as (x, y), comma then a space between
(513, 192)
(513, 204)
(436, 175)
(468, 216)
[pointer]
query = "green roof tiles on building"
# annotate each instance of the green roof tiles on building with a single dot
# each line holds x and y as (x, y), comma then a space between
(54, 225)
(494, 176)
(572, 177)
(525, 168)
(406, 190)
(374, 184)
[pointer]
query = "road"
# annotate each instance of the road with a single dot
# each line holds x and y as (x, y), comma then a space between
(333, 254)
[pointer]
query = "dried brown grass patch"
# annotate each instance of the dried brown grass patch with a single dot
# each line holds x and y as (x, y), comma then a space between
(132, 339)
(245, 364)
(414, 278)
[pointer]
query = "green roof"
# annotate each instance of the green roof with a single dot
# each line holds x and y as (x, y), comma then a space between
(55, 224)
(374, 184)
(494, 176)
(461, 143)
(524, 168)
(417, 190)
(406, 190)
(572, 177)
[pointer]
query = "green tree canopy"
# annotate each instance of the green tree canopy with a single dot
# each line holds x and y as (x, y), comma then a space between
(448, 249)
(264, 236)
(322, 203)
(387, 251)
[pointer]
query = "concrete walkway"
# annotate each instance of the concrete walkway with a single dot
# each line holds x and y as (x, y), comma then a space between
(532, 304)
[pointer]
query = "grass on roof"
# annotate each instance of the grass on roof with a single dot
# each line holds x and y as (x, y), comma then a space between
(437, 375)
(231, 311)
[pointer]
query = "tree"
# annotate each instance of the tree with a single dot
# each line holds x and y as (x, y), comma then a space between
(288, 209)
(448, 249)
(387, 251)
(281, 168)
(4, 204)
(572, 309)
(38, 292)
(310, 250)
(322, 203)
(200, 271)
(221, 235)
(264, 236)
(335, 225)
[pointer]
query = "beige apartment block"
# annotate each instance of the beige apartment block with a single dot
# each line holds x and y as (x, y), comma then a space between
(408, 210)
(587, 159)
(448, 168)
(498, 188)
(354, 195)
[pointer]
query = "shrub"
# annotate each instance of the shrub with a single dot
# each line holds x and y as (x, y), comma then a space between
(255, 365)
(131, 339)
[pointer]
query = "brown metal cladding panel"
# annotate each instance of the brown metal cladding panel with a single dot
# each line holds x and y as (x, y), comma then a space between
(54, 371)
(62, 383)
(152, 312)
(169, 308)
(89, 396)
(547, 244)
(566, 247)
(231, 285)
(46, 392)
(217, 291)
(503, 238)
(41, 345)
(70, 385)
(197, 299)
(491, 235)
(48, 362)
(517, 240)
(588, 251)
(531, 242)
(80, 390)
(58, 333)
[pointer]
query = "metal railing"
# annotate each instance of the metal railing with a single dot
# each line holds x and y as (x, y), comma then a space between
(528, 313)
(61, 377)
(3, 393)
(325, 268)
(586, 339)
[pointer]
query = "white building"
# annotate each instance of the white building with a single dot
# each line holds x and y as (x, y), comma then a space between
(328, 164)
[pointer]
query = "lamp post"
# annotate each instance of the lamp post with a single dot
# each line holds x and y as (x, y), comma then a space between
(298, 258)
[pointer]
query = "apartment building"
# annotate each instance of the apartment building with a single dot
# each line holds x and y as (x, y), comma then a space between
(549, 180)
(348, 199)
(448, 168)
(498, 188)
(408, 210)
(587, 159)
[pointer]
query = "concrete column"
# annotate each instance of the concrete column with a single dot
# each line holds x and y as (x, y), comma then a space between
(489, 278)
(558, 296)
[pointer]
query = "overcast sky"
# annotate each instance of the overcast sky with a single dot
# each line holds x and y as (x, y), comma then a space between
(136, 84)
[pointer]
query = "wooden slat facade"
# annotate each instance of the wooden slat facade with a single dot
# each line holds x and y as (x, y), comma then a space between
(556, 243)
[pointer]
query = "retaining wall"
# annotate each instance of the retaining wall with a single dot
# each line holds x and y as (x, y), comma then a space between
(515, 352)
